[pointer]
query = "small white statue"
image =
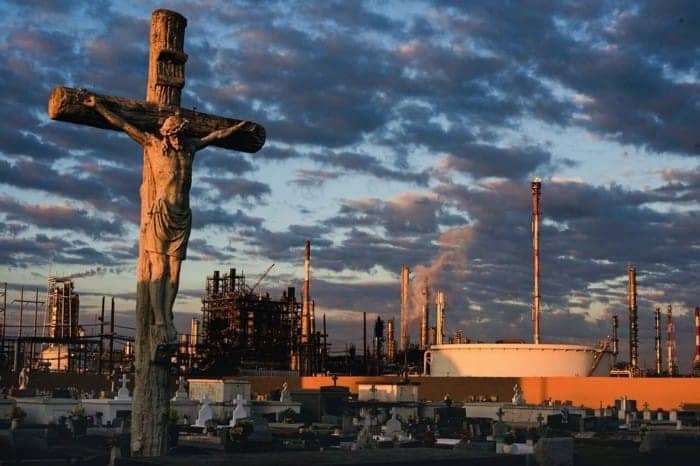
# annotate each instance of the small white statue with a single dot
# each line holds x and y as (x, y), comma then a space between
(284, 393)
(205, 413)
(240, 412)
(23, 379)
(517, 395)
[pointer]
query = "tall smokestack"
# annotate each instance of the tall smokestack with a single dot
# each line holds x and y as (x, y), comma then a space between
(536, 186)
(364, 340)
(194, 335)
(404, 337)
(632, 306)
(425, 316)
(439, 317)
(696, 361)
(390, 341)
(671, 343)
(306, 304)
(657, 341)
(615, 339)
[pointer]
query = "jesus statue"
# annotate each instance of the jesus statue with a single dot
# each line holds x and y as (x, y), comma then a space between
(166, 218)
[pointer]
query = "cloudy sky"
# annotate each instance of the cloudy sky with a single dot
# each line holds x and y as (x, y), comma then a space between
(401, 132)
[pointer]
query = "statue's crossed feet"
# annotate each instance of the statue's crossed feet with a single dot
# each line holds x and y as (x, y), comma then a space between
(163, 343)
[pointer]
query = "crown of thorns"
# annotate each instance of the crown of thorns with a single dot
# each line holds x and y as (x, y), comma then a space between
(173, 125)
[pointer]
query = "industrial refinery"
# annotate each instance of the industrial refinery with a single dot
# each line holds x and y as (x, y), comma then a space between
(242, 330)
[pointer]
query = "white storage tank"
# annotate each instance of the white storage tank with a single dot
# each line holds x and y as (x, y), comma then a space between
(511, 360)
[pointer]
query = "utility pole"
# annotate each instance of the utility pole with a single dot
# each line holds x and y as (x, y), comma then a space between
(4, 315)
(36, 318)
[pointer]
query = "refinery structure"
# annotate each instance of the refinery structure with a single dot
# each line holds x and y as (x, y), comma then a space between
(244, 330)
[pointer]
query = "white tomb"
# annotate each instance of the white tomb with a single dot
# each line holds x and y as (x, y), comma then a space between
(221, 394)
(219, 390)
(45, 410)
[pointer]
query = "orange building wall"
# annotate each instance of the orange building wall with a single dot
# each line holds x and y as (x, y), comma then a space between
(665, 393)
(591, 392)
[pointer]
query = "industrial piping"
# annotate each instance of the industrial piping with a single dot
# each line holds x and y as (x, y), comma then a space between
(657, 341)
(615, 340)
(425, 316)
(404, 337)
(536, 186)
(632, 305)
(306, 305)
(671, 344)
(439, 317)
(390, 341)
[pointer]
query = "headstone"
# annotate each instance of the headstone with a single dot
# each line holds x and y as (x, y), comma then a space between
(181, 393)
(240, 412)
(205, 413)
(123, 393)
(393, 426)
(261, 432)
(659, 415)
(653, 442)
(364, 438)
(517, 395)
(347, 425)
(647, 414)
(557, 451)
(673, 416)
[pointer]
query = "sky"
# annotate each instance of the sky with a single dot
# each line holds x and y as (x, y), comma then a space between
(398, 132)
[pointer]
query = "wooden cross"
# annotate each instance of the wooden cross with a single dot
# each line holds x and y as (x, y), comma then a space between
(166, 78)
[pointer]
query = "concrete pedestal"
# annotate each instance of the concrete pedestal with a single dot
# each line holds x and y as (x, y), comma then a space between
(512, 414)
(263, 408)
(42, 410)
(188, 408)
(108, 407)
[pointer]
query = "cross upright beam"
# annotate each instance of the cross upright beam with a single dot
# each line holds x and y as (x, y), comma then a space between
(169, 135)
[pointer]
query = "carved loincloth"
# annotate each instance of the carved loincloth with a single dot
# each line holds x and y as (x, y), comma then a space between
(168, 229)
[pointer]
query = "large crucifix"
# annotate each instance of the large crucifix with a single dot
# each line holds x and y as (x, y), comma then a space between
(170, 136)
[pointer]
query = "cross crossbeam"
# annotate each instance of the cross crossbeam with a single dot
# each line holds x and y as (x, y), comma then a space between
(66, 104)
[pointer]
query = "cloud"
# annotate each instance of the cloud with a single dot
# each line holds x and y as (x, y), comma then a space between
(314, 178)
(59, 217)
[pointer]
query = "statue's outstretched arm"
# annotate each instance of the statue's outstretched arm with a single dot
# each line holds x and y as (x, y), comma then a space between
(114, 119)
(219, 135)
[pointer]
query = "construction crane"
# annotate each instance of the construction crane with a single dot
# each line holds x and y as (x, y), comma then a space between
(262, 277)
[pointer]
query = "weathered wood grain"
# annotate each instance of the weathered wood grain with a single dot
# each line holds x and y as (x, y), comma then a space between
(65, 104)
